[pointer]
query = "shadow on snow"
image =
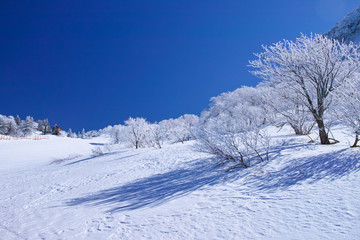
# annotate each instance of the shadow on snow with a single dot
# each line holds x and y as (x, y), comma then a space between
(98, 156)
(156, 189)
(329, 166)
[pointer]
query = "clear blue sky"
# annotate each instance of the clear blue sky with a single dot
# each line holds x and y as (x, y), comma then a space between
(95, 63)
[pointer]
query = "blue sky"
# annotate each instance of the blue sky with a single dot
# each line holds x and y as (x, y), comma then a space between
(89, 64)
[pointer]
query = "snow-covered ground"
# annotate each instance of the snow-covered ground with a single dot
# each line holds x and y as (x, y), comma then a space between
(55, 189)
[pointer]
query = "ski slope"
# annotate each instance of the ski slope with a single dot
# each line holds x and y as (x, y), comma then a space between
(56, 189)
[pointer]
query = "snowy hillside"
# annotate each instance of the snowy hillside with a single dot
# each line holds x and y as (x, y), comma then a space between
(348, 28)
(251, 166)
(306, 191)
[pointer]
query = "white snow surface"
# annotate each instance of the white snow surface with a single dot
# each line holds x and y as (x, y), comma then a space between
(55, 189)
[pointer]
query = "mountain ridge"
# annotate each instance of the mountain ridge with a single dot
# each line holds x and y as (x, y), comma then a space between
(347, 29)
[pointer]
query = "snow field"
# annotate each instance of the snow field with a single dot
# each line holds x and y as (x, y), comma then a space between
(306, 191)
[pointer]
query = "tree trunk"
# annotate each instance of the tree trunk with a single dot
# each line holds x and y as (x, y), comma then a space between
(324, 139)
(356, 140)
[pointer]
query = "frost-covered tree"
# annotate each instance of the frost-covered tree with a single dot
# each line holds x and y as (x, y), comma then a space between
(156, 135)
(70, 133)
(46, 127)
(82, 134)
(238, 139)
(312, 67)
(136, 131)
(228, 102)
(347, 107)
(91, 134)
(289, 107)
(8, 125)
(28, 126)
(18, 120)
(12, 127)
(39, 125)
(117, 133)
(234, 133)
(180, 129)
(3, 125)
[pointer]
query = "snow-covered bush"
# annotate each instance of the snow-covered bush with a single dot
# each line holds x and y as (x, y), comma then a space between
(229, 102)
(234, 133)
(101, 150)
(181, 130)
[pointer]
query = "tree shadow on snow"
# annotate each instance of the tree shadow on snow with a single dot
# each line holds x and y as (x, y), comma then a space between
(95, 156)
(329, 166)
(156, 189)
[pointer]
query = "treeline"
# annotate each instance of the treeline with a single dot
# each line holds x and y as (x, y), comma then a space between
(308, 83)
(311, 82)
(16, 127)
(139, 133)
(83, 134)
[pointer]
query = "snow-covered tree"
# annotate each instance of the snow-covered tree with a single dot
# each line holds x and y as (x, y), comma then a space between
(70, 133)
(92, 134)
(347, 107)
(312, 67)
(179, 129)
(18, 120)
(228, 103)
(12, 127)
(156, 135)
(118, 133)
(238, 139)
(82, 134)
(232, 128)
(3, 124)
(289, 107)
(28, 126)
(136, 131)
(46, 127)
(8, 125)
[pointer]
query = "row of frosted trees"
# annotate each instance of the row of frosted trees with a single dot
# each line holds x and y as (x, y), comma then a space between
(14, 126)
(139, 133)
(311, 82)
(307, 84)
